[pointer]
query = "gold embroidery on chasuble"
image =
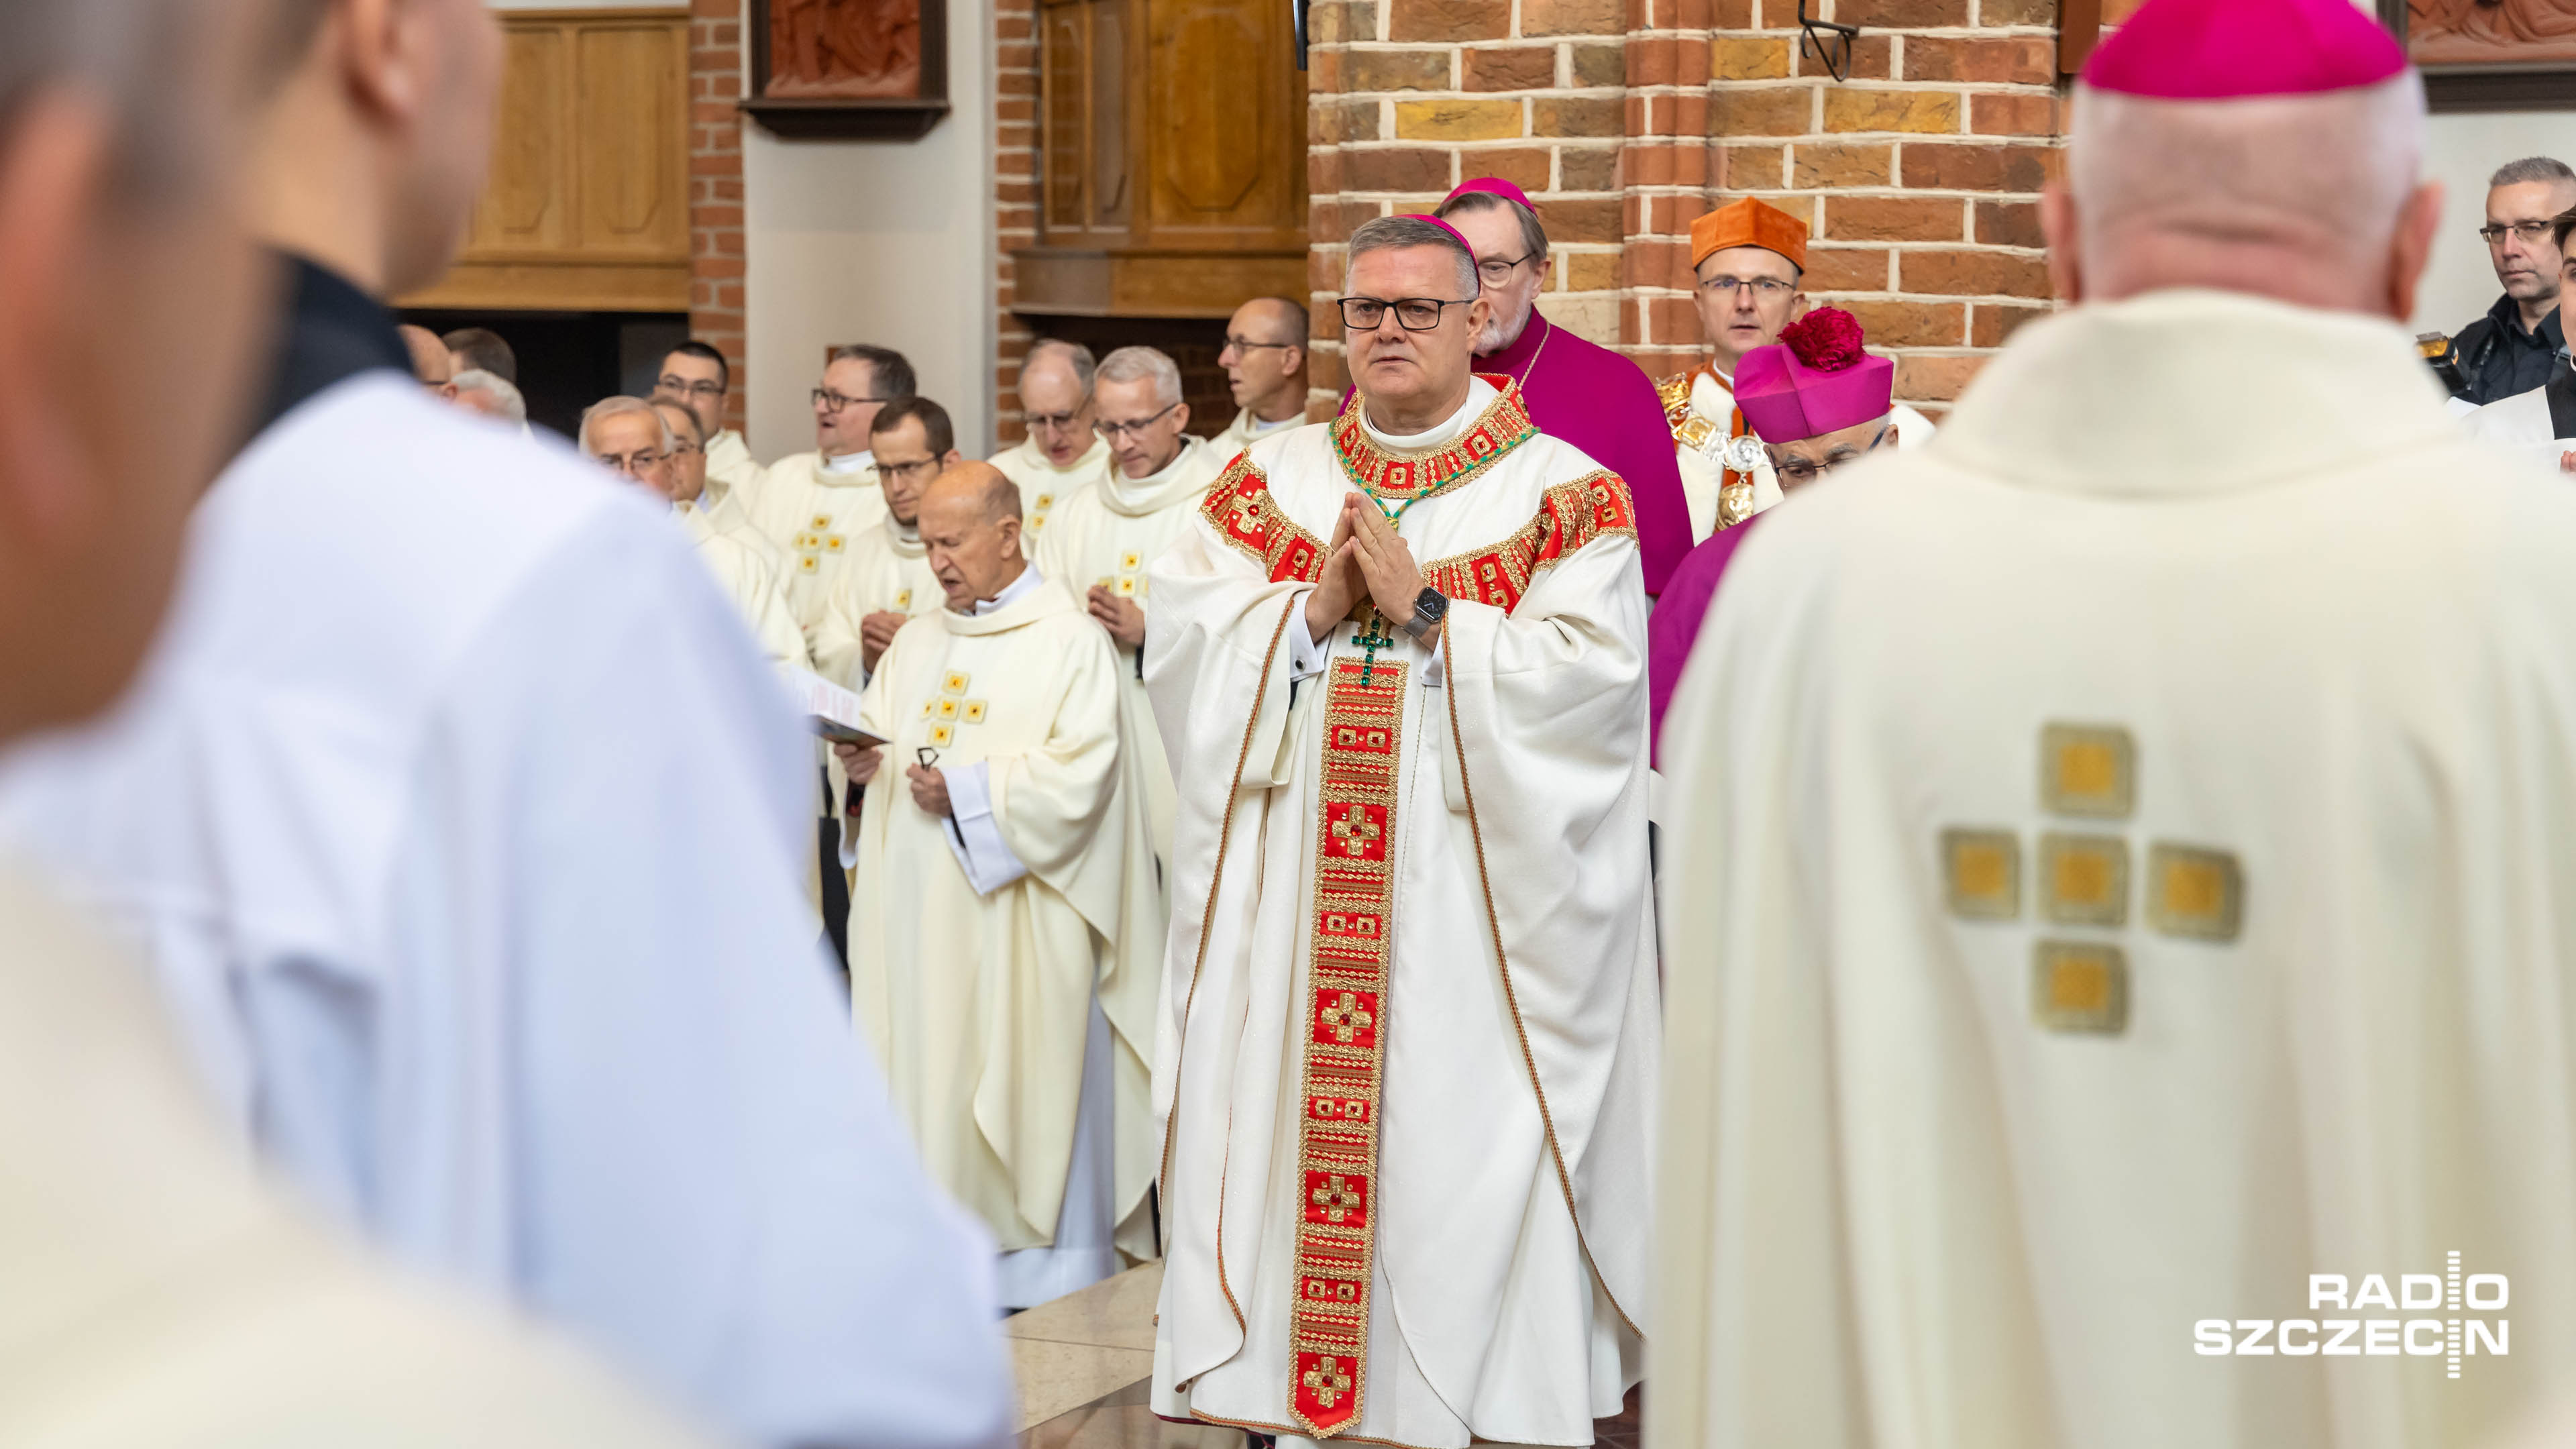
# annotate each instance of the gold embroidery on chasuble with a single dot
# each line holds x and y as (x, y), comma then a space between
(1239, 507)
(1504, 426)
(1569, 516)
(1345, 1054)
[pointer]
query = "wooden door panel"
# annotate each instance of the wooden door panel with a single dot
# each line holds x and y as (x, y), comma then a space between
(521, 208)
(630, 139)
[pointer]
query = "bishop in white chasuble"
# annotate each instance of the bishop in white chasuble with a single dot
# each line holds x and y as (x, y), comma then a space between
(1104, 539)
(1409, 1030)
(982, 931)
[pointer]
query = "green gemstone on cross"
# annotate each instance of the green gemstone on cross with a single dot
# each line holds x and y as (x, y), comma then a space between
(1373, 639)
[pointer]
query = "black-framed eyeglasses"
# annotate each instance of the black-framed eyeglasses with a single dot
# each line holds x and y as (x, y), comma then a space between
(681, 450)
(1114, 431)
(919, 468)
(2529, 231)
(1053, 422)
(1765, 289)
(703, 387)
(1495, 271)
(832, 402)
(633, 463)
(1798, 472)
(1413, 314)
(1246, 344)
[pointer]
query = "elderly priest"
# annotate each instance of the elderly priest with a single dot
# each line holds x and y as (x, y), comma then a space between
(1061, 455)
(2129, 843)
(1106, 536)
(1000, 873)
(1410, 1035)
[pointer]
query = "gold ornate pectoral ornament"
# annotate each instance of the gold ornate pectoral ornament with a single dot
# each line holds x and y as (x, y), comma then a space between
(1736, 452)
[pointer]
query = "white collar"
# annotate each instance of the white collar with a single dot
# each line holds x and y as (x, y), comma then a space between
(848, 463)
(1480, 396)
(1018, 589)
(1254, 427)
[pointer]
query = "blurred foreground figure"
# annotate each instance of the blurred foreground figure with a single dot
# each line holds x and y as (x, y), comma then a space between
(466, 854)
(2129, 843)
(153, 1293)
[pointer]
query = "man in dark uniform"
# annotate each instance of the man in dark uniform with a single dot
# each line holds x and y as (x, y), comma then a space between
(2519, 345)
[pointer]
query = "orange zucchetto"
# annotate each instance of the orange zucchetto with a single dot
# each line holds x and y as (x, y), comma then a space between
(1749, 223)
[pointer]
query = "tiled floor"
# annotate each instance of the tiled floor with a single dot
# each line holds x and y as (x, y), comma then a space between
(1084, 1361)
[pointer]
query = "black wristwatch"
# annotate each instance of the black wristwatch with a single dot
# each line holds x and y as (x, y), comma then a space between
(1429, 608)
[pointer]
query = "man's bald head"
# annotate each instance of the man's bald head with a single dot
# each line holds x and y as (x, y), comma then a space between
(1265, 358)
(2313, 200)
(430, 360)
(1055, 398)
(970, 521)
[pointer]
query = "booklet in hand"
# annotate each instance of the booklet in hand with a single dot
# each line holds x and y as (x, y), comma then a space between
(830, 710)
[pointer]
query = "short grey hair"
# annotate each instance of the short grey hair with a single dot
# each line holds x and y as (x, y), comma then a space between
(1396, 233)
(1079, 357)
(2530, 169)
(609, 407)
(1533, 235)
(514, 404)
(1136, 364)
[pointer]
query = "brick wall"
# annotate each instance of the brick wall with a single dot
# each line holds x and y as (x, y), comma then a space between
(715, 186)
(1626, 119)
(1410, 97)
(1015, 194)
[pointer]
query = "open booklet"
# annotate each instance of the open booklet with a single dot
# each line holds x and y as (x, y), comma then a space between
(830, 710)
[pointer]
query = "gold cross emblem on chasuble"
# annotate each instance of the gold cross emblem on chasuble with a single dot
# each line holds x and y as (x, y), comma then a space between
(817, 542)
(1337, 1197)
(1327, 1381)
(1348, 1018)
(950, 709)
(1129, 581)
(2081, 983)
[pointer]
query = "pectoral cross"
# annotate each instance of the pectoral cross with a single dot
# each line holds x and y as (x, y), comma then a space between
(1373, 639)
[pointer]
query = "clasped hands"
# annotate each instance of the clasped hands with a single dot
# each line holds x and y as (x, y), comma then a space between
(929, 787)
(1120, 616)
(1367, 559)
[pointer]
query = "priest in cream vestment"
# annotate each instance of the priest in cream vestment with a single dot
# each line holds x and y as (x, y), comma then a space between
(635, 439)
(696, 376)
(1061, 456)
(1109, 534)
(813, 505)
(887, 578)
(1265, 367)
(1000, 871)
(1409, 1033)
(2120, 856)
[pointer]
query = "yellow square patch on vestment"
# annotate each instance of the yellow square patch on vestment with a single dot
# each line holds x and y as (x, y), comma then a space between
(2084, 879)
(2194, 892)
(821, 520)
(2088, 770)
(940, 735)
(833, 543)
(1045, 502)
(806, 564)
(948, 709)
(1126, 588)
(903, 599)
(1128, 561)
(1983, 871)
(929, 707)
(2079, 986)
(974, 711)
(955, 683)
(808, 542)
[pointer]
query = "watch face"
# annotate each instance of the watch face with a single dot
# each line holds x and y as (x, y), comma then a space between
(1432, 602)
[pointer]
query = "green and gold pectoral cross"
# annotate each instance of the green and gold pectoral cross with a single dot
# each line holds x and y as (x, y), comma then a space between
(1372, 639)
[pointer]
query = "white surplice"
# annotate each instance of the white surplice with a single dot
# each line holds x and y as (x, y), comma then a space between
(1107, 536)
(750, 583)
(732, 476)
(460, 822)
(888, 572)
(2157, 651)
(813, 508)
(159, 1296)
(1500, 1221)
(1043, 485)
(980, 941)
(1718, 451)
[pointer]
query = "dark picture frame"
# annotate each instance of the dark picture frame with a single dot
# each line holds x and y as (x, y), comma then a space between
(817, 112)
(2536, 85)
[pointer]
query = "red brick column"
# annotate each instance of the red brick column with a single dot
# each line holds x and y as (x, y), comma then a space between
(1015, 194)
(715, 186)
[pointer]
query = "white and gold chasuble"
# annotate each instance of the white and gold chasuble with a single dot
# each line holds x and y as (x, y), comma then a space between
(976, 1005)
(1406, 1174)
(1044, 486)
(749, 583)
(2119, 864)
(813, 516)
(888, 571)
(1107, 535)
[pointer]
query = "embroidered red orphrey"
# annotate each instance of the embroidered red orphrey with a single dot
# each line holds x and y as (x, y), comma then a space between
(1345, 1046)
(1505, 425)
